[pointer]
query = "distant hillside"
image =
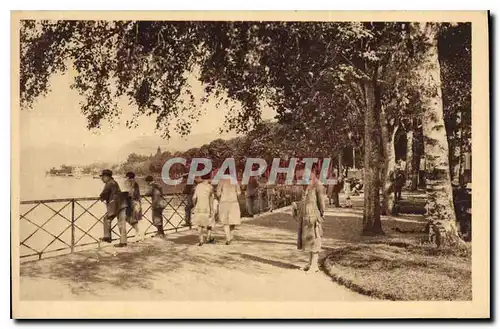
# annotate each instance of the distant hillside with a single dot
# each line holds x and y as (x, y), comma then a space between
(39, 159)
(146, 145)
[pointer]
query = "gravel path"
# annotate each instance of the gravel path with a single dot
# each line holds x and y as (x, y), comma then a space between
(261, 265)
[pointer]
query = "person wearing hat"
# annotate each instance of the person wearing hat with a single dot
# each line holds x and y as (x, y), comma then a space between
(134, 209)
(157, 205)
(116, 206)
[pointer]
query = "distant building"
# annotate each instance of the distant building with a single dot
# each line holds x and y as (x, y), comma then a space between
(77, 171)
(158, 151)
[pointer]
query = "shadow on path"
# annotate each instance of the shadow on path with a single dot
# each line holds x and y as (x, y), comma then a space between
(267, 261)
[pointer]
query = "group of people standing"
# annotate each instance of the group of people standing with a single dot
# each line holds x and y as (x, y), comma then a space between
(333, 192)
(126, 206)
(206, 205)
(209, 205)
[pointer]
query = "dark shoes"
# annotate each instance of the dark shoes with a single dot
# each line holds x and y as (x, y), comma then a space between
(211, 241)
(108, 240)
(120, 245)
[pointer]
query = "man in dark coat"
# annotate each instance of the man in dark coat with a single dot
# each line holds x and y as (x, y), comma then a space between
(156, 194)
(116, 206)
(251, 194)
(188, 191)
(399, 182)
(339, 185)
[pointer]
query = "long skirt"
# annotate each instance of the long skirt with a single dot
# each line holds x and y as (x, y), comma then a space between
(202, 219)
(309, 235)
(134, 212)
(157, 216)
(229, 213)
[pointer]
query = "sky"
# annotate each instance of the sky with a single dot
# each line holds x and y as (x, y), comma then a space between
(54, 131)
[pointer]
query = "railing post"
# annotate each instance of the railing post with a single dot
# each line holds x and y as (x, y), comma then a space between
(72, 225)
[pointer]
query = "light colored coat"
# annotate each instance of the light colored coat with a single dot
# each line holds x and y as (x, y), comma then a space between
(309, 213)
(203, 204)
(229, 207)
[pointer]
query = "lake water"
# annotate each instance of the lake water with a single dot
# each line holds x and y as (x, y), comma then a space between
(41, 187)
(46, 227)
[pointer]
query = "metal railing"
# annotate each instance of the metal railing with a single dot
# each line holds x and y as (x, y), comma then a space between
(59, 226)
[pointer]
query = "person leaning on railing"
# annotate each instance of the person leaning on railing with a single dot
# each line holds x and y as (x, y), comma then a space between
(188, 191)
(134, 208)
(158, 203)
(116, 206)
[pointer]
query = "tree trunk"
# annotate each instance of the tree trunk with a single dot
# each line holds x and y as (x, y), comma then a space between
(389, 154)
(371, 215)
(341, 162)
(440, 208)
(354, 158)
(456, 152)
(413, 156)
(410, 170)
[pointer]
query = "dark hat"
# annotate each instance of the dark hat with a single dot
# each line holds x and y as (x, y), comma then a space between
(130, 175)
(107, 172)
(149, 178)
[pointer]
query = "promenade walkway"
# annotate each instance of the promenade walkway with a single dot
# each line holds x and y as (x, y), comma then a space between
(262, 264)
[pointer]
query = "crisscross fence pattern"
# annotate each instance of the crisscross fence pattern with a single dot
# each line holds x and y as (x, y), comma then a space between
(58, 226)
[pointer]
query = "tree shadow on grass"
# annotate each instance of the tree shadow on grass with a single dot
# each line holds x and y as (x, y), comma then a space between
(397, 273)
(383, 256)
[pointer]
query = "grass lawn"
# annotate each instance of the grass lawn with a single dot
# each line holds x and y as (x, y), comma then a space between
(396, 267)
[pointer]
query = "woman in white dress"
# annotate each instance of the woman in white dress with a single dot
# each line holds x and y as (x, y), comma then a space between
(229, 207)
(203, 212)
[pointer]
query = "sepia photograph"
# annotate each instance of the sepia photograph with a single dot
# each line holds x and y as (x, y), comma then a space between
(250, 164)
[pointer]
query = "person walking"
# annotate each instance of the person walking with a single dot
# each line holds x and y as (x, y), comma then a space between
(271, 197)
(330, 192)
(116, 206)
(336, 191)
(229, 207)
(251, 194)
(134, 208)
(399, 182)
(157, 206)
(203, 211)
(309, 214)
